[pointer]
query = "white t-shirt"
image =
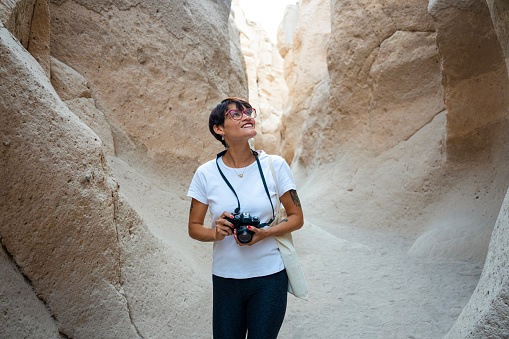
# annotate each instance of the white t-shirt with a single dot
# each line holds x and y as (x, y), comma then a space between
(208, 187)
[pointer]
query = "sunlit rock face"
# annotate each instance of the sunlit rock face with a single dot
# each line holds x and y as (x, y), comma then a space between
(302, 42)
(384, 71)
(156, 69)
(268, 92)
(81, 257)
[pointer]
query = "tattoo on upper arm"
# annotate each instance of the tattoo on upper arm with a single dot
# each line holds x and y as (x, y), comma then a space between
(191, 209)
(295, 198)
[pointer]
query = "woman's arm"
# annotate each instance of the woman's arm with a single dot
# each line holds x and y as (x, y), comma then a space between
(294, 216)
(294, 219)
(198, 231)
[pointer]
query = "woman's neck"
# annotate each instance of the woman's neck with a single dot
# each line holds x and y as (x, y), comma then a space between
(239, 156)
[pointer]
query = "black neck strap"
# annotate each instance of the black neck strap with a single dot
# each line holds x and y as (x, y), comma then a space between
(237, 210)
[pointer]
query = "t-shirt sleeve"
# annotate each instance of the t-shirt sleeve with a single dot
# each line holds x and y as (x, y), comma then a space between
(285, 179)
(197, 187)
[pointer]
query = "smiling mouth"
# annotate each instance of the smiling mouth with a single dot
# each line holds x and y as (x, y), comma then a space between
(247, 125)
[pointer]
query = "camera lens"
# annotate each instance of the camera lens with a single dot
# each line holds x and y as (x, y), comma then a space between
(244, 236)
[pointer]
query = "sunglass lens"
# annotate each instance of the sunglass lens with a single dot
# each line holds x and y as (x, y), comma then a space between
(251, 112)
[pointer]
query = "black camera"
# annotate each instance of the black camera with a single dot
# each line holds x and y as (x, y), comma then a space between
(240, 221)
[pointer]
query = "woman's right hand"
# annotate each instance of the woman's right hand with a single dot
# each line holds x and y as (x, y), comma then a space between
(224, 228)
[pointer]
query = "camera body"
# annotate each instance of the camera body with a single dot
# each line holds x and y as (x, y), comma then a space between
(240, 221)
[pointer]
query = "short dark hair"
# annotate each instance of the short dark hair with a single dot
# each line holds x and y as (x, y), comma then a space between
(216, 117)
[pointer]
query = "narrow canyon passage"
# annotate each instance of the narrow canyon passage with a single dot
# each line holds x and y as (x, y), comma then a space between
(363, 284)
(394, 120)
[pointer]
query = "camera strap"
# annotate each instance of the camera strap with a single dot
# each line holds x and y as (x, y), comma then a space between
(237, 210)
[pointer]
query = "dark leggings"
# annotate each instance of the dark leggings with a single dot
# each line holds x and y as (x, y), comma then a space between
(256, 305)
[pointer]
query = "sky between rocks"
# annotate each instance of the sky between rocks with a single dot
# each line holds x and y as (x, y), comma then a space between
(268, 13)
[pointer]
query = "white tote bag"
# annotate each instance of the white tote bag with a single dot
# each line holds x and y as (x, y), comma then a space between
(296, 281)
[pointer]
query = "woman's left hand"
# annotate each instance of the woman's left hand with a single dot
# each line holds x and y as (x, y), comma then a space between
(259, 234)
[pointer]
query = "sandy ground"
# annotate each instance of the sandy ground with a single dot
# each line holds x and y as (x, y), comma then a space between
(363, 284)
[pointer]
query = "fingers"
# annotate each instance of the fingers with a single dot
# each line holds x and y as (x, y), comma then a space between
(237, 239)
(223, 230)
(258, 234)
(223, 226)
(253, 229)
(221, 233)
(225, 214)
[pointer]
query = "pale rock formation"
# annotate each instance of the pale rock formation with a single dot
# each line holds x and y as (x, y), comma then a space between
(396, 122)
(475, 71)
(74, 90)
(499, 11)
(409, 128)
(382, 68)
(286, 29)
(304, 48)
(17, 16)
(39, 39)
(473, 67)
(28, 20)
(22, 315)
(382, 115)
(58, 217)
(68, 83)
(487, 313)
(91, 265)
(477, 102)
(268, 91)
(69, 231)
(156, 69)
(366, 64)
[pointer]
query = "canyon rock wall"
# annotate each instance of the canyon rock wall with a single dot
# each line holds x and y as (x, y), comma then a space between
(302, 42)
(156, 68)
(410, 129)
(268, 92)
(79, 255)
(487, 313)
(393, 106)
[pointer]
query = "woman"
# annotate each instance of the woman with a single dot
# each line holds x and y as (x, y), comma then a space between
(249, 280)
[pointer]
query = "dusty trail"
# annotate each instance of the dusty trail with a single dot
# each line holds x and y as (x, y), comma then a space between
(363, 284)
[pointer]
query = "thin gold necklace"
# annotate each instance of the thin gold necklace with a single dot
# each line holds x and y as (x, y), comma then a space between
(241, 175)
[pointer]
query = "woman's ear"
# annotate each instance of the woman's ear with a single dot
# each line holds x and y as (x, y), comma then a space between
(219, 130)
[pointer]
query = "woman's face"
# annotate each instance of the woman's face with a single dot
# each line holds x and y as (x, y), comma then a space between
(237, 130)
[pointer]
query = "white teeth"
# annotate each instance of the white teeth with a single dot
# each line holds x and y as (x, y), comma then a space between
(247, 125)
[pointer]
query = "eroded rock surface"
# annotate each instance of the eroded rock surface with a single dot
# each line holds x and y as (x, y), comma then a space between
(156, 69)
(409, 130)
(86, 261)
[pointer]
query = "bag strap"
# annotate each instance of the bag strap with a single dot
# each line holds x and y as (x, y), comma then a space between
(237, 210)
(265, 184)
(278, 202)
